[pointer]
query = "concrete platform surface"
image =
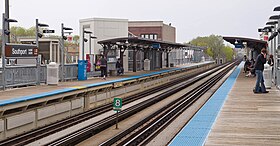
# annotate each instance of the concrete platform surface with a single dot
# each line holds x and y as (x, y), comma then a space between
(247, 118)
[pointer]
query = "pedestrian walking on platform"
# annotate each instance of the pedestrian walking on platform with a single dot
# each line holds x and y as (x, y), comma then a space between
(259, 67)
(103, 67)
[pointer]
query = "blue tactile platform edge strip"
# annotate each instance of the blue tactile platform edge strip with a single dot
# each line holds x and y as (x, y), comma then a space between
(198, 128)
(65, 90)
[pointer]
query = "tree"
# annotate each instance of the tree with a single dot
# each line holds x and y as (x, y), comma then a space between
(76, 39)
(228, 52)
(215, 46)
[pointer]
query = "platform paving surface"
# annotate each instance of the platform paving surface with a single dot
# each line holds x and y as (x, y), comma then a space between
(31, 90)
(247, 118)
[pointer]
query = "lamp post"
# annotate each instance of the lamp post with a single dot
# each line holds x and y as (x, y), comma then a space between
(84, 40)
(276, 56)
(91, 37)
(273, 25)
(38, 35)
(4, 33)
(62, 50)
(7, 15)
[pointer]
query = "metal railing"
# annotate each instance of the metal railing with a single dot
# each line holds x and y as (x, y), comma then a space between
(71, 71)
(26, 75)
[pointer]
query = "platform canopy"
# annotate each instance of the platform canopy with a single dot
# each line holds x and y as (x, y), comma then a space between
(251, 43)
(147, 43)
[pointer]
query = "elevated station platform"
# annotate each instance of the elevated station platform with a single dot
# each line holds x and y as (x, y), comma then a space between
(234, 115)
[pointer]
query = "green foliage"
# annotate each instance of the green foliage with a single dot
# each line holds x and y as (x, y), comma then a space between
(20, 31)
(209, 52)
(228, 52)
(215, 46)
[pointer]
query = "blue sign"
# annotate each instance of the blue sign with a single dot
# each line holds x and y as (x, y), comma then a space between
(156, 46)
(238, 46)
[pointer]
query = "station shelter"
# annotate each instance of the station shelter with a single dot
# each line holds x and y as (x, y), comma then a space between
(247, 46)
(141, 50)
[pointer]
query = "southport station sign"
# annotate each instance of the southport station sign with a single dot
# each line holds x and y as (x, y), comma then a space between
(21, 50)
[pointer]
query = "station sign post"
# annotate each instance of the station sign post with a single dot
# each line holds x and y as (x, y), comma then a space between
(117, 106)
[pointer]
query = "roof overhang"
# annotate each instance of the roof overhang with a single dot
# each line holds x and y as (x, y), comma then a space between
(140, 42)
(251, 43)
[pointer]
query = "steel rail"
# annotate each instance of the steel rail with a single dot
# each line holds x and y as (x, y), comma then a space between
(161, 118)
(95, 128)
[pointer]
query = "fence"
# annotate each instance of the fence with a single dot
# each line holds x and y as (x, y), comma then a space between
(26, 75)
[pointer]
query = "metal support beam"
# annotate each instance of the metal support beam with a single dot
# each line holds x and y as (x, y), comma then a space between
(62, 53)
(134, 59)
(167, 58)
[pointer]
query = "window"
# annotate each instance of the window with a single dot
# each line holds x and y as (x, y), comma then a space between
(146, 36)
(149, 36)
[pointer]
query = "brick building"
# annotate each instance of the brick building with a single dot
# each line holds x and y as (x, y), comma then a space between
(156, 30)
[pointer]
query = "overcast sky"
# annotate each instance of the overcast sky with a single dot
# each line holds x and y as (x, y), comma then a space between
(192, 18)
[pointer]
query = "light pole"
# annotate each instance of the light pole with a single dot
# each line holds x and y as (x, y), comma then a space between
(273, 23)
(38, 35)
(84, 40)
(4, 33)
(91, 37)
(62, 50)
(7, 15)
(277, 59)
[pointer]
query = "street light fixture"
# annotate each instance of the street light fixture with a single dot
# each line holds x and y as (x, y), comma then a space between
(62, 49)
(5, 21)
(271, 22)
(84, 39)
(277, 8)
(38, 35)
(274, 17)
(91, 37)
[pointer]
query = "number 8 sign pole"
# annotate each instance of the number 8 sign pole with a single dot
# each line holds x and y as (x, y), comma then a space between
(117, 106)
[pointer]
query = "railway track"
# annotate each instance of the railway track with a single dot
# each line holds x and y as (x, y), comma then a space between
(95, 128)
(144, 131)
(39, 133)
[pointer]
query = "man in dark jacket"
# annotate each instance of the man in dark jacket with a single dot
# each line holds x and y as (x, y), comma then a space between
(259, 67)
(103, 67)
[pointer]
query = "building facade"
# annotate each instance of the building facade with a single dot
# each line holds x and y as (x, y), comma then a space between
(156, 30)
(102, 29)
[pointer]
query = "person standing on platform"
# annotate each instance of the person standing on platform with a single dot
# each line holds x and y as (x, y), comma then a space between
(259, 67)
(271, 62)
(103, 67)
(119, 67)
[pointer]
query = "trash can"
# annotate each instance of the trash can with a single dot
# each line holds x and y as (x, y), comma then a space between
(267, 75)
(147, 65)
(52, 73)
(82, 70)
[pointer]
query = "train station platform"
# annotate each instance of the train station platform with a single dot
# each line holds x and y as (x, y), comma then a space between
(234, 115)
(47, 89)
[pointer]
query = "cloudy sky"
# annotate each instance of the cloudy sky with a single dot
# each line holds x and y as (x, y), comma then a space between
(192, 18)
